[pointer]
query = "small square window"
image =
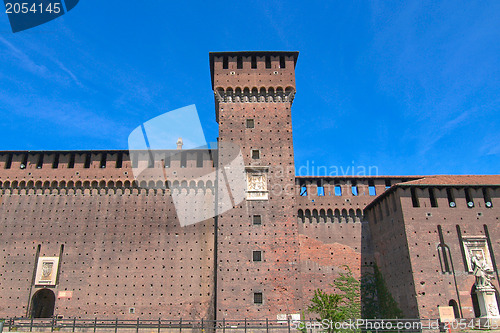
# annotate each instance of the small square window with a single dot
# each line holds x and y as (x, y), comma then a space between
(257, 255)
(250, 123)
(257, 298)
(255, 154)
(257, 219)
(131, 310)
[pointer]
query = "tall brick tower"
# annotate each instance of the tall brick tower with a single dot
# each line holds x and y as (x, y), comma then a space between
(257, 242)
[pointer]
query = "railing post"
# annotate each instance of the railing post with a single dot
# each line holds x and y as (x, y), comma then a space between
(223, 325)
(31, 324)
(74, 323)
(116, 325)
(159, 325)
(95, 324)
(180, 325)
(137, 327)
(52, 322)
(245, 325)
(288, 319)
(267, 325)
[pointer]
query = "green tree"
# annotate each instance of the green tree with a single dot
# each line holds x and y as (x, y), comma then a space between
(340, 306)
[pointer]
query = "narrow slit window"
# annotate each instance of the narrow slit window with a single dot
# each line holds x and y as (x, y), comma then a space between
(254, 62)
(71, 163)
(451, 198)
(86, 165)
(468, 197)
(414, 198)
(257, 255)
(24, 162)
(239, 62)
(282, 62)
(338, 190)
(371, 188)
(257, 219)
(225, 62)
(102, 164)
(135, 160)
(387, 184)
(8, 163)
(487, 198)
(255, 154)
(432, 197)
(268, 61)
(55, 163)
(257, 298)
(250, 123)
(119, 161)
(39, 164)
(183, 159)
(199, 160)
(151, 160)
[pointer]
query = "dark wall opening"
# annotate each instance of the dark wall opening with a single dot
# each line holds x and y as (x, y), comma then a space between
(43, 303)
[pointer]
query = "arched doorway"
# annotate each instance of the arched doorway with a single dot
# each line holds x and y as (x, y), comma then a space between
(43, 303)
(454, 305)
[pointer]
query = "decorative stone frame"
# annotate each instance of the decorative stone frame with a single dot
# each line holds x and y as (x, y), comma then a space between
(257, 178)
(46, 271)
(477, 244)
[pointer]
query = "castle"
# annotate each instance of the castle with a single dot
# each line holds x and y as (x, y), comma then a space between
(82, 237)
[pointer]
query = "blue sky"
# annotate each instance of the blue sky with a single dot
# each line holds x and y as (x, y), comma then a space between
(411, 87)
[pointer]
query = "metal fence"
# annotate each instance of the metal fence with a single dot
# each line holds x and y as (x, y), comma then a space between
(206, 326)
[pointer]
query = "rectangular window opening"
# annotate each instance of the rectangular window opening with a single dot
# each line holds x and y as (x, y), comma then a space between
(225, 62)
(39, 164)
(354, 189)
(257, 255)
(282, 62)
(371, 188)
(338, 190)
(257, 298)
(55, 163)
(254, 62)
(432, 198)
(255, 154)
(468, 197)
(250, 123)
(451, 198)
(86, 165)
(8, 163)
(239, 62)
(387, 184)
(166, 161)
(487, 198)
(321, 189)
(414, 198)
(199, 160)
(102, 164)
(268, 61)
(71, 163)
(24, 162)
(183, 159)
(257, 219)
(119, 161)
(303, 190)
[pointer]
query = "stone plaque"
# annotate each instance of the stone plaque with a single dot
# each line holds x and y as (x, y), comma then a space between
(446, 314)
(46, 272)
(65, 294)
(257, 183)
(477, 247)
